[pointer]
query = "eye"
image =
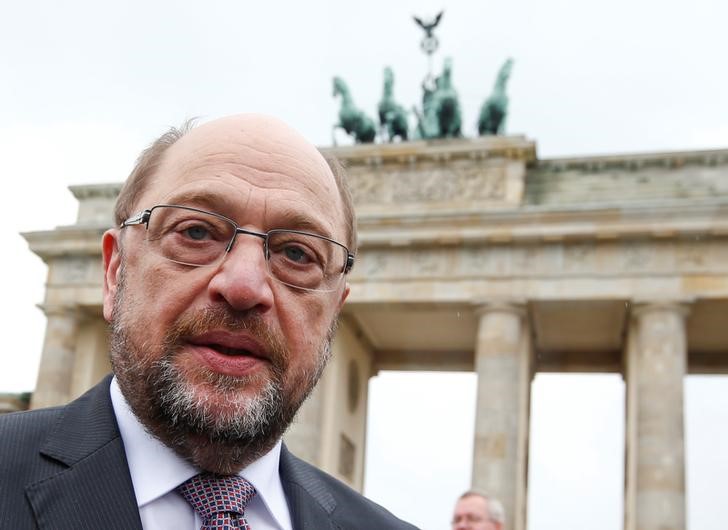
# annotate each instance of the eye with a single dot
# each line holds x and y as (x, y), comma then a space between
(296, 250)
(196, 232)
(297, 254)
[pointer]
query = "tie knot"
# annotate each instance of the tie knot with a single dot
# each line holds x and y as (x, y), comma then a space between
(211, 494)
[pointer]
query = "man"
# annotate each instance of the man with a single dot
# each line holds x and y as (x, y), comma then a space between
(223, 280)
(477, 511)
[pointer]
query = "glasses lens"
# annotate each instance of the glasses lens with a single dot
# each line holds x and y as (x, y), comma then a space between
(189, 236)
(305, 260)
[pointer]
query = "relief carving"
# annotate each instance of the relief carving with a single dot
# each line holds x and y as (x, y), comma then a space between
(428, 186)
(692, 255)
(365, 188)
(579, 256)
(524, 257)
(372, 263)
(428, 262)
(472, 259)
(636, 255)
(477, 186)
(436, 184)
(498, 261)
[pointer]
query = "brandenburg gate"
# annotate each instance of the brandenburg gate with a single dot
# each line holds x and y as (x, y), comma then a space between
(475, 255)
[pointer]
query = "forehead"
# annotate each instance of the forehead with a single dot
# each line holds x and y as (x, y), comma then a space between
(473, 504)
(249, 164)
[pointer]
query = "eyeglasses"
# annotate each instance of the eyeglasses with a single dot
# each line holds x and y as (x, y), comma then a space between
(197, 238)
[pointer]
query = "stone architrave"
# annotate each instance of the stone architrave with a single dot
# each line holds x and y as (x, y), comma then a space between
(503, 368)
(55, 372)
(656, 366)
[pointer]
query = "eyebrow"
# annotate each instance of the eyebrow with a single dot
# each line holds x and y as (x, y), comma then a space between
(294, 220)
(221, 204)
(202, 200)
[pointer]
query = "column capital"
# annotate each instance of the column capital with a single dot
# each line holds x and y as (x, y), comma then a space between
(680, 306)
(516, 306)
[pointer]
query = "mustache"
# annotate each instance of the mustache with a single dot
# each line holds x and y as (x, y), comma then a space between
(208, 319)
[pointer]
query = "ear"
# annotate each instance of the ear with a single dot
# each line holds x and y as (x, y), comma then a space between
(112, 266)
(344, 296)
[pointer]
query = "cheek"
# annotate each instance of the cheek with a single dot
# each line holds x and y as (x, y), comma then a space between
(305, 318)
(160, 295)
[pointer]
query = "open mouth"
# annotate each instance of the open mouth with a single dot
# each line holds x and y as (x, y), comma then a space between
(227, 359)
(225, 350)
(229, 353)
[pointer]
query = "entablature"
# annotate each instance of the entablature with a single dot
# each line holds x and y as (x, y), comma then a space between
(64, 241)
(674, 219)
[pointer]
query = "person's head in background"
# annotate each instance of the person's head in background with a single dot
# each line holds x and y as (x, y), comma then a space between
(478, 511)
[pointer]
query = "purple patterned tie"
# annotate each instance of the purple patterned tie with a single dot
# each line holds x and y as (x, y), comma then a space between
(220, 500)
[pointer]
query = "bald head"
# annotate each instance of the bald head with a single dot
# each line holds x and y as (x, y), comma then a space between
(263, 141)
(252, 144)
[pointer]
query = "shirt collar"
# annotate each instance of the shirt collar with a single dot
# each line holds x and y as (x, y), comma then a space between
(157, 470)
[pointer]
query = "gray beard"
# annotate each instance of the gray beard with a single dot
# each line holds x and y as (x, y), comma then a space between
(166, 403)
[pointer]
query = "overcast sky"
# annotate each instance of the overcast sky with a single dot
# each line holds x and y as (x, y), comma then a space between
(85, 85)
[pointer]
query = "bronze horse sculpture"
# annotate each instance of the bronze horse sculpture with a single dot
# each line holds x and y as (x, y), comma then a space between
(495, 109)
(440, 117)
(351, 119)
(392, 116)
(447, 105)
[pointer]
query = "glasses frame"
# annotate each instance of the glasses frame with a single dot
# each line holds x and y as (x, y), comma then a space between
(143, 217)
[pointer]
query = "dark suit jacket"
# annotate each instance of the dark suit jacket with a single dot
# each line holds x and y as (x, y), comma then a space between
(65, 468)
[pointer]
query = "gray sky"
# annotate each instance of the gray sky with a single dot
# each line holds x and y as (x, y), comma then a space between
(87, 84)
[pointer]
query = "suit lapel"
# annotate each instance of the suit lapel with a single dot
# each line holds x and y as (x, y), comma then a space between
(95, 489)
(310, 503)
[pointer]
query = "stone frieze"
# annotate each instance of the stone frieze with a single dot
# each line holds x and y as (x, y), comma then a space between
(629, 258)
(435, 184)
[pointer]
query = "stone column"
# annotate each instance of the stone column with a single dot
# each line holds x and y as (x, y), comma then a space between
(304, 437)
(655, 464)
(330, 428)
(503, 367)
(92, 360)
(55, 372)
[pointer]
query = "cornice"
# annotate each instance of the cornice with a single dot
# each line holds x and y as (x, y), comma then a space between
(96, 191)
(634, 161)
(65, 242)
(435, 151)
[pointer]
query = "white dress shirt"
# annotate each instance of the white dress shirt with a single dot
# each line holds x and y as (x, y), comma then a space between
(156, 471)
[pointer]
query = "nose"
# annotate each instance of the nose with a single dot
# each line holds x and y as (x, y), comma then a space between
(242, 279)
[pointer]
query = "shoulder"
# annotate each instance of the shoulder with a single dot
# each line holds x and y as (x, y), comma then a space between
(347, 508)
(353, 508)
(35, 442)
(23, 431)
(21, 461)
